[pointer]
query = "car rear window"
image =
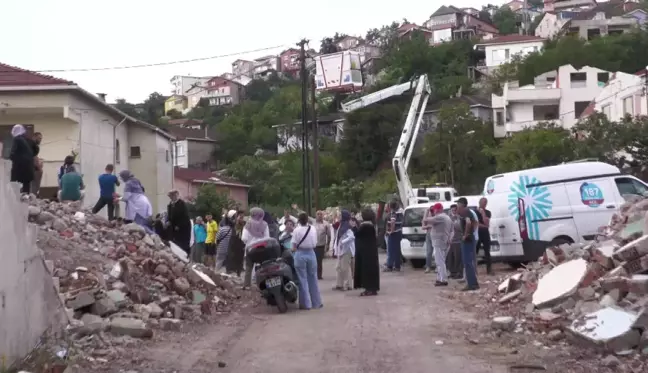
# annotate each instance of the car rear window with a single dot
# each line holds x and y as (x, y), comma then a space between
(413, 217)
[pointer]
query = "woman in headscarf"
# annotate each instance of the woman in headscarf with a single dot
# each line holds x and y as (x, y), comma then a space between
(138, 207)
(255, 229)
(179, 221)
(345, 251)
(223, 237)
(22, 155)
(367, 266)
(236, 249)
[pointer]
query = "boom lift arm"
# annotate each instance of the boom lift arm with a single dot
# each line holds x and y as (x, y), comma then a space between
(411, 128)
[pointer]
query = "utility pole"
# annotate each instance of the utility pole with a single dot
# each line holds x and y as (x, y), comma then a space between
(315, 129)
(645, 93)
(306, 180)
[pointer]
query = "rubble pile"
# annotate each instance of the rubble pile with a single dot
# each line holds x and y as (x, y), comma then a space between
(118, 280)
(594, 295)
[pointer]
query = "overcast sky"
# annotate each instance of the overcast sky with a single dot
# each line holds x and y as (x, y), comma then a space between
(77, 34)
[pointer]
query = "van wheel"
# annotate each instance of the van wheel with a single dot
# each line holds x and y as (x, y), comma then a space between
(517, 265)
(417, 263)
(561, 240)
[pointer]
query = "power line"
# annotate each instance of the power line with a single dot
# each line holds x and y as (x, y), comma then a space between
(126, 67)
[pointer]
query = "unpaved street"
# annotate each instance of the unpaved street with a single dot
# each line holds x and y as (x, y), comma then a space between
(410, 326)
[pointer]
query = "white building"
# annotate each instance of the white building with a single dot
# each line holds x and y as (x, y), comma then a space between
(560, 96)
(500, 50)
(623, 95)
(180, 84)
(72, 120)
(265, 65)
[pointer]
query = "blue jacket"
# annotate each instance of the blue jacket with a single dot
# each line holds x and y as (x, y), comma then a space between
(200, 233)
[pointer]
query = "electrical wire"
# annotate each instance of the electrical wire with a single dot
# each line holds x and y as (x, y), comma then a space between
(156, 64)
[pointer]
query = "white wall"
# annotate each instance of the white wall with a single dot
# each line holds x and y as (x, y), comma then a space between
(610, 99)
(30, 303)
(549, 26)
(181, 153)
(164, 168)
(502, 53)
(571, 95)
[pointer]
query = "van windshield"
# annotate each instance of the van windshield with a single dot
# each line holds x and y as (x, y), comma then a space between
(413, 217)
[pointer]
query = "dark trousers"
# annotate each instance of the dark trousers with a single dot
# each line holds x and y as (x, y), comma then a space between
(453, 260)
(105, 201)
(319, 254)
(468, 258)
(485, 244)
(394, 255)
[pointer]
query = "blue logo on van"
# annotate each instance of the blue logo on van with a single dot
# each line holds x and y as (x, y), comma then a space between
(490, 186)
(591, 195)
(537, 202)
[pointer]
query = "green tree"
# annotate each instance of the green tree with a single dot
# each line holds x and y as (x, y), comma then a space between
(127, 108)
(327, 46)
(454, 150)
(153, 108)
(174, 114)
(505, 21)
(597, 137)
(534, 24)
(544, 145)
(485, 16)
(209, 201)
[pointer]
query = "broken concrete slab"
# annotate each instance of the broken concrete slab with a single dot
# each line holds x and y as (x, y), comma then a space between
(632, 250)
(118, 297)
(510, 296)
(170, 324)
(610, 328)
(505, 323)
(103, 307)
(561, 282)
(131, 327)
(511, 283)
(81, 300)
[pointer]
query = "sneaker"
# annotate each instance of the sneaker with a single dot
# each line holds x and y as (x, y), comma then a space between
(441, 283)
(427, 270)
(387, 269)
(470, 288)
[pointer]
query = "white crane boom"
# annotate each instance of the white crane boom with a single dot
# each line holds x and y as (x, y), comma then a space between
(412, 125)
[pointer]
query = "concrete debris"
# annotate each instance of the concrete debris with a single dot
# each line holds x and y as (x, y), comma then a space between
(118, 281)
(595, 294)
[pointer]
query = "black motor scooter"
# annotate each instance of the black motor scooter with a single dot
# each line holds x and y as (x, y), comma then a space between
(274, 276)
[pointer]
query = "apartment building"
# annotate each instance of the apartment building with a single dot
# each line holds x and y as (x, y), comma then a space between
(559, 96)
(243, 68)
(451, 23)
(497, 51)
(180, 84)
(264, 66)
(221, 91)
(622, 95)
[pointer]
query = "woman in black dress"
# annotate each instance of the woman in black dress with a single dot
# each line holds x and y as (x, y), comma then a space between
(23, 150)
(179, 222)
(236, 249)
(367, 268)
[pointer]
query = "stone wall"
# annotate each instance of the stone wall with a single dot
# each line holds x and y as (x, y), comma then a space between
(29, 303)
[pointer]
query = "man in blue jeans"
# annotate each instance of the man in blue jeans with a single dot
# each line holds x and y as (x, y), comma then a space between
(469, 225)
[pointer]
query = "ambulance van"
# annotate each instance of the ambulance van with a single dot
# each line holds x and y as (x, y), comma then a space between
(567, 203)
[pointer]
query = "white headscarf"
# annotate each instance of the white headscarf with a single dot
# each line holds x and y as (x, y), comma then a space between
(18, 130)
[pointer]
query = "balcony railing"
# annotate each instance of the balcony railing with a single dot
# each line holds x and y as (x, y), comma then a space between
(534, 94)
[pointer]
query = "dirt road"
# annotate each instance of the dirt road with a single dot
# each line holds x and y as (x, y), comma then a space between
(411, 326)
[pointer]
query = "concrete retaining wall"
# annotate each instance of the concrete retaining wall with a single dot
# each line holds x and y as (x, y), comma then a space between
(29, 303)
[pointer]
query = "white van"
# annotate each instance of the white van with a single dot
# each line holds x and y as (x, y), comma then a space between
(413, 242)
(563, 203)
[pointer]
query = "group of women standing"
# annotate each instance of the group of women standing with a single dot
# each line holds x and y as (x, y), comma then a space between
(356, 251)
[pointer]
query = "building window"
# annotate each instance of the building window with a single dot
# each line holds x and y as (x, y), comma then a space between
(602, 78)
(628, 106)
(135, 152)
(607, 110)
(499, 118)
(578, 80)
(180, 150)
(579, 108)
(167, 156)
(117, 152)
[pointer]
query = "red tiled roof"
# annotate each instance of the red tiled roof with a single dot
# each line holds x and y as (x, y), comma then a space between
(15, 76)
(183, 133)
(506, 39)
(193, 175)
(185, 121)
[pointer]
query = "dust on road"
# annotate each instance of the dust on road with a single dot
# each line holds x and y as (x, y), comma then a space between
(410, 326)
